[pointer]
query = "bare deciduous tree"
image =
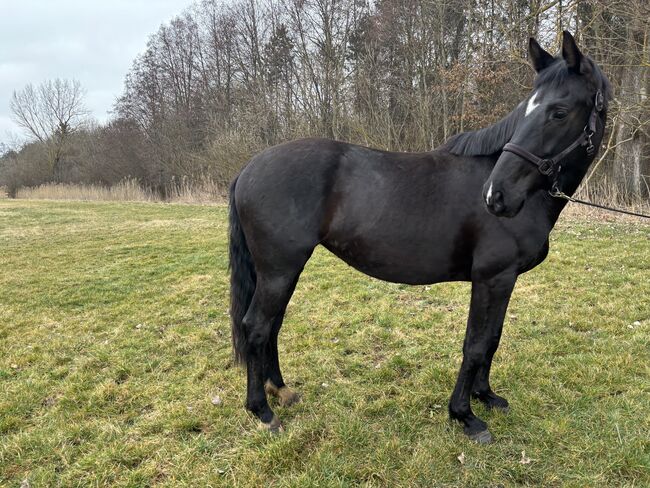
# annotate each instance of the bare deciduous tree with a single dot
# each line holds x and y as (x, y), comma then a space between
(50, 113)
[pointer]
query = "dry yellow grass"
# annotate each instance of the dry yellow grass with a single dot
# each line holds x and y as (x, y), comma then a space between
(203, 191)
(125, 191)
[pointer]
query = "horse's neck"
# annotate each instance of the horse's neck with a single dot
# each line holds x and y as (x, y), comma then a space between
(554, 209)
(568, 183)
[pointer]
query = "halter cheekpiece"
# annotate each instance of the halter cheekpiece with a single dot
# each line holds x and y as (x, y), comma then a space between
(551, 166)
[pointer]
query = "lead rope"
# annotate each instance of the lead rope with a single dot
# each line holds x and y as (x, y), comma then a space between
(559, 194)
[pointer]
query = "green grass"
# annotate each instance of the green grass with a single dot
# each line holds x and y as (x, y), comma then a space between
(114, 337)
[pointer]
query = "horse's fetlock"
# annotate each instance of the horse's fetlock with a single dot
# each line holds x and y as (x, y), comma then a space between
(459, 411)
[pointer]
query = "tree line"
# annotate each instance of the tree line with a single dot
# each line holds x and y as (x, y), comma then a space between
(226, 79)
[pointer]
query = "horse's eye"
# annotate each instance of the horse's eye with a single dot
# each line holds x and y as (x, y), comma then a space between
(560, 114)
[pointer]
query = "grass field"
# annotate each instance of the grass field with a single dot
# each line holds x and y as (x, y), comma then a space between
(114, 341)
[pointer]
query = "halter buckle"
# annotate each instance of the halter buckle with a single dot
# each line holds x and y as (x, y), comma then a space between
(546, 166)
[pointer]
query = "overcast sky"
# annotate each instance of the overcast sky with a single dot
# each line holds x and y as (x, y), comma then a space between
(93, 41)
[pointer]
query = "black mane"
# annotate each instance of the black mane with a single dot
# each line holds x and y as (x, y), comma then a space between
(487, 141)
(490, 140)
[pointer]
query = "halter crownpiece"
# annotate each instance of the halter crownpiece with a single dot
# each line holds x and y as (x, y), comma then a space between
(551, 166)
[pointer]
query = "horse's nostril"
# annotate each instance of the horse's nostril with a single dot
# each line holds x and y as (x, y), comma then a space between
(497, 206)
(494, 200)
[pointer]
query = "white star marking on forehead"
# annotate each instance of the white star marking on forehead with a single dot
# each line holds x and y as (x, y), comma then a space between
(531, 104)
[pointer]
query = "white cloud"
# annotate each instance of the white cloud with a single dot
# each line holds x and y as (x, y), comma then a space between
(93, 41)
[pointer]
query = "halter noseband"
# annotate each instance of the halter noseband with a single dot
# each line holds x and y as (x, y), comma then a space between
(551, 166)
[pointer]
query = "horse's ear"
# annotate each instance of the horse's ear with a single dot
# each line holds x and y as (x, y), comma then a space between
(539, 58)
(570, 52)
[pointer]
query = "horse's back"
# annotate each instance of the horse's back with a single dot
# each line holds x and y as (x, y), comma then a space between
(300, 179)
(303, 183)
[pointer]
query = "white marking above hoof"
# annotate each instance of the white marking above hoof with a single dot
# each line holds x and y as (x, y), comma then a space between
(288, 397)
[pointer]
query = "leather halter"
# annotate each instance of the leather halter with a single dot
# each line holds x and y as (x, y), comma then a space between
(551, 166)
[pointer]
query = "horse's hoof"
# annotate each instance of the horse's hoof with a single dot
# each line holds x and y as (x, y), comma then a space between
(274, 426)
(287, 397)
(483, 437)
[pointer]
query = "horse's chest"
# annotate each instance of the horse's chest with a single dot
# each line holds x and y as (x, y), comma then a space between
(534, 257)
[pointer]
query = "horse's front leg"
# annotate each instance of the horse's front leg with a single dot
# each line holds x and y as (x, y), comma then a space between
(486, 313)
(482, 390)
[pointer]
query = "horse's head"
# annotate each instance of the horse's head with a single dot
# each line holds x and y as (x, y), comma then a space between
(559, 129)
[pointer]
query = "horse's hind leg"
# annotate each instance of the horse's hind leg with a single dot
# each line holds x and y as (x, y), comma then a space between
(274, 383)
(271, 296)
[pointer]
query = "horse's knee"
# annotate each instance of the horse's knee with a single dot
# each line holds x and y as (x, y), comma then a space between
(475, 357)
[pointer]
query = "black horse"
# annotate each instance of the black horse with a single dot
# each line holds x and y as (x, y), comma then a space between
(415, 218)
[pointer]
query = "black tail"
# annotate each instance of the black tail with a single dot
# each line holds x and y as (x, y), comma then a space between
(242, 280)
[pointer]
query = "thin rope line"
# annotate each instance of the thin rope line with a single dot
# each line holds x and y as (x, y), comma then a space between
(559, 194)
